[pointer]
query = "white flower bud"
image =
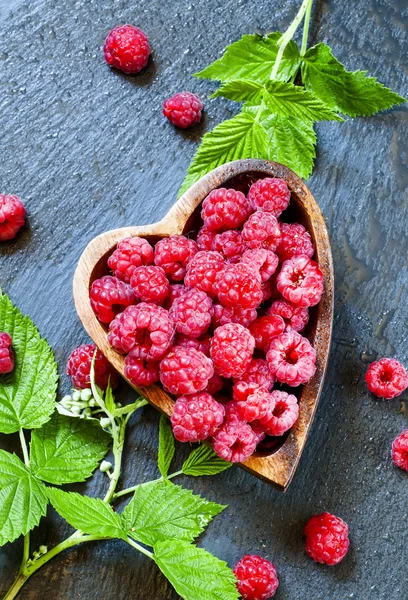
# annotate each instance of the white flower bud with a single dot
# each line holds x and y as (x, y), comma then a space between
(105, 422)
(43, 549)
(105, 466)
(76, 410)
(86, 395)
(87, 413)
(66, 401)
(76, 396)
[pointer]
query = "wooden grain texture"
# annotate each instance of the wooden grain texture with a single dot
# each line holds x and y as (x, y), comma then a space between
(278, 467)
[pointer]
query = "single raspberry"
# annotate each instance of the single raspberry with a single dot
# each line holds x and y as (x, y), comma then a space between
(202, 343)
(284, 414)
(147, 329)
(258, 431)
(232, 414)
(399, 452)
(327, 538)
(267, 290)
(258, 373)
(176, 290)
(202, 271)
(235, 441)
(270, 195)
(256, 578)
(261, 230)
(301, 281)
(140, 372)
(239, 286)
(253, 402)
(127, 49)
(185, 371)
(130, 254)
(183, 109)
(215, 384)
(6, 354)
(205, 239)
(295, 317)
(79, 368)
(295, 240)
(173, 253)
(150, 284)
(196, 418)
(192, 313)
(12, 217)
(291, 358)
(386, 378)
(264, 261)
(265, 329)
(225, 209)
(230, 244)
(231, 350)
(232, 314)
(109, 296)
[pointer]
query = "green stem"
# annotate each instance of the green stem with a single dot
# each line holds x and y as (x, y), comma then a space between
(26, 547)
(140, 548)
(134, 488)
(306, 29)
(118, 443)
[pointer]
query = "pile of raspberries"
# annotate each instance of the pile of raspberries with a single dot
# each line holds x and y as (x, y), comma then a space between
(217, 319)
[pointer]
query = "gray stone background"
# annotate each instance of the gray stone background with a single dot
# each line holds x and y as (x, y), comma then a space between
(87, 149)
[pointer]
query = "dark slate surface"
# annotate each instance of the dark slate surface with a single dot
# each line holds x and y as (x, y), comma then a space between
(87, 149)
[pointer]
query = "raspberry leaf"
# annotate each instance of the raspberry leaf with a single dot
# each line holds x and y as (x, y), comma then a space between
(23, 498)
(194, 573)
(349, 92)
(160, 510)
(27, 394)
(67, 450)
(166, 446)
(204, 461)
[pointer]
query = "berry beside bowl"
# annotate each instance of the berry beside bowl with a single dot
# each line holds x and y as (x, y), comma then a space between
(221, 313)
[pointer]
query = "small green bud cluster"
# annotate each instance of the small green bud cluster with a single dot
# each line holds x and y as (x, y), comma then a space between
(79, 404)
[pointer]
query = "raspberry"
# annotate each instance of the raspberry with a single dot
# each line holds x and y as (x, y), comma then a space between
(196, 418)
(183, 109)
(6, 354)
(253, 402)
(202, 271)
(175, 291)
(202, 343)
(239, 286)
(150, 284)
(295, 240)
(327, 538)
(172, 254)
(109, 296)
(258, 373)
(230, 244)
(261, 230)
(291, 358)
(12, 217)
(231, 350)
(301, 281)
(265, 329)
(256, 577)
(258, 431)
(284, 414)
(264, 261)
(233, 314)
(267, 290)
(270, 195)
(295, 317)
(205, 239)
(130, 254)
(141, 372)
(147, 329)
(399, 452)
(185, 371)
(79, 368)
(225, 209)
(215, 384)
(192, 313)
(127, 49)
(386, 378)
(231, 413)
(235, 441)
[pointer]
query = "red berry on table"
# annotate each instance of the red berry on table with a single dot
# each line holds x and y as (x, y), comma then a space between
(291, 358)
(191, 313)
(265, 329)
(141, 372)
(173, 254)
(6, 354)
(235, 441)
(130, 254)
(196, 418)
(183, 109)
(150, 284)
(185, 371)
(269, 195)
(224, 209)
(399, 452)
(127, 49)
(327, 539)
(284, 415)
(386, 378)
(232, 314)
(295, 317)
(257, 372)
(12, 217)
(295, 240)
(256, 577)
(202, 271)
(79, 368)
(109, 296)
(231, 350)
(261, 230)
(239, 286)
(301, 281)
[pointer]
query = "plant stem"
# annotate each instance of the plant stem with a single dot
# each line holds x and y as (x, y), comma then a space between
(24, 447)
(26, 547)
(140, 548)
(118, 433)
(130, 490)
(306, 29)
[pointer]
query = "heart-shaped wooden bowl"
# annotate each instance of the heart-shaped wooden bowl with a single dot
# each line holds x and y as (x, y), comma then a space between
(275, 466)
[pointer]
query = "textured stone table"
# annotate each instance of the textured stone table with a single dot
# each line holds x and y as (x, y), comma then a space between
(88, 149)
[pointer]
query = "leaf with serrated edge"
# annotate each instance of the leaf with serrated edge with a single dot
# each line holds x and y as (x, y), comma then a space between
(27, 394)
(166, 446)
(194, 573)
(67, 450)
(90, 515)
(204, 461)
(23, 499)
(109, 400)
(349, 92)
(161, 510)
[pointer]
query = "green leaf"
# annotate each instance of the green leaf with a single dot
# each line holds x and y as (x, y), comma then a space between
(194, 573)
(90, 515)
(109, 400)
(67, 450)
(161, 510)
(241, 90)
(349, 92)
(166, 446)
(204, 461)
(27, 395)
(252, 57)
(23, 499)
